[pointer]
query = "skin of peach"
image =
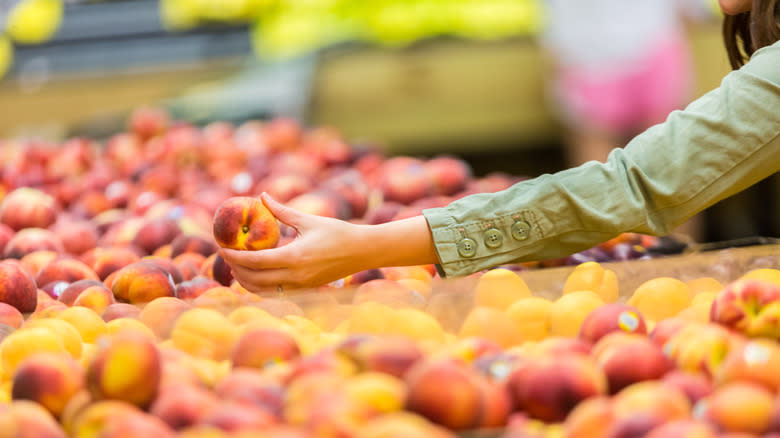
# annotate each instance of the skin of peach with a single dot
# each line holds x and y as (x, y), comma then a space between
(160, 314)
(244, 223)
(127, 369)
(17, 287)
(69, 270)
(10, 316)
(48, 379)
(142, 282)
(96, 298)
(260, 347)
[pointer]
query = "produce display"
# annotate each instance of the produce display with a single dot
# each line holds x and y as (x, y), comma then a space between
(118, 318)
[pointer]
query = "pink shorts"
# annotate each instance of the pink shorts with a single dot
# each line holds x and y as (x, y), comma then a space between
(627, 102)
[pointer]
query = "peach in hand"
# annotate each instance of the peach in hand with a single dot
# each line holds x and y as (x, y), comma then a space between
(244, 223)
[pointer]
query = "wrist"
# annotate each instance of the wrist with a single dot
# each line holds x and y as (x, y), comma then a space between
(398, 243)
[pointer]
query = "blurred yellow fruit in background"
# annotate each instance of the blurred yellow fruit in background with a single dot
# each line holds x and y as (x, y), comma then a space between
(34, 21)
(569, 311)
(88, 323)
(765, 274)
(6, 57)
(592, 276)
(499, 288)
(492, 324)
(68, 335)
(532, 317)
(25, 342)
(661, 298)
(704, 284)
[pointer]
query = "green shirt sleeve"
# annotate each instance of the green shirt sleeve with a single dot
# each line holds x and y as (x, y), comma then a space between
(722, 143)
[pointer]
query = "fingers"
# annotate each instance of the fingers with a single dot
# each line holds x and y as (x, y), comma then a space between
(285, 214)
(264, 259)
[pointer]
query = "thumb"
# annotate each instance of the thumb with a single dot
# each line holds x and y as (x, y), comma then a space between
(285, 214)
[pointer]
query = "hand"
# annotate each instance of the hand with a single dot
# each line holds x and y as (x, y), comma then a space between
(324, 250)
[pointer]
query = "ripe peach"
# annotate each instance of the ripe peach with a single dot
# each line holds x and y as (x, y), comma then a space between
(611, 318)
(286, 186)
(34, 261)
(161, 313)
(683, 429)
(64, 269)
(258, 348)
(121, 325)
(147, 122)
(627, 358)
(491, 324)
(6, 233)
(253, 387)
(72, 290)
(25, 342)
(191, 289)
(532, 317)
(389, 355)
(182, 406)
(49, 379)
(590, 418)
(449, 175)
(593, 277)
(92, 420)
(78, 236)
(155, 233)
(66, 332)
(127, 368)
(661, 298)
(694, 385)
(741, 407)
(704, 284)
(322, 202)
(234, 417)
(389, 293)
(28, 207)
(245, 223)
(105, 261)
(700, 347)
(26, 419)
(765, 274)
(569, 311)
(134, 425)
(168, 265)
(445, 392)
(665, 329)
(497, 404)
(500, 288)
(220, 271)
(203, 245)
(142, 282)
(17, 287)
(652, 398)
(204, 333)
(120, 310)
(10, 316)
(756, 361)
(550, 386)
(405, 180)
(192, 258)
(749, 306)
(30, 240)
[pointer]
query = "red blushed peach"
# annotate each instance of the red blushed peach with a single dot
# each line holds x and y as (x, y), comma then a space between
(701, 348)
(235, 417)
(322, 202)
(49, 379)
(17, 287)
(497, 404)
(665, 329)
(183, 406)
(92, 419)
(128, 368)
(10, 315)
(104, 261)
(148, 122)
(549, 387)
(445, 392)
(27, 419)
(633, 425)
(168, 265)
(284, 187)
(405, 180)
(155, 233)
(259, 348)
(629, 358)
(69, 294)
(739, 407)
(34, 261)
(142, 282)
(191, 289)
(694, 385)
(683, 429)
(388, 355)
(136, 425)
(96, 298)
(64, 269)
(221, 271)
(78, 236)
(749, 306)
(244, 223)
(351, 185)
(610, 318)
(190, 257)
(30, 240)
(27, 207)
(188, 269)
(448, 174)
(120, 310)
(254, 388)
(160, 314)
(6, 233)
(193, 243)
(756, 361)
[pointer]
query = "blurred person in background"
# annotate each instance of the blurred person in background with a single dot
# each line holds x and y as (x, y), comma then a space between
(719, 145)
(618, 67)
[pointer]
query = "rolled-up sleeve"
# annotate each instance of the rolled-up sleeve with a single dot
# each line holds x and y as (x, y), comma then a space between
(722, 143)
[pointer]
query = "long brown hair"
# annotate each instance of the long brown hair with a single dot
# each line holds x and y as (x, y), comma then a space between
(747, 32)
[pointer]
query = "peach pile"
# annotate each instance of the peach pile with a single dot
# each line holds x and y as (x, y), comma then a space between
(118, 317)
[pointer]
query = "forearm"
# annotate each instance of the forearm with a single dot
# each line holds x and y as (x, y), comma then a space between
(404, 242)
